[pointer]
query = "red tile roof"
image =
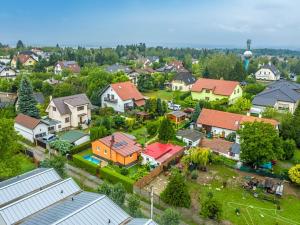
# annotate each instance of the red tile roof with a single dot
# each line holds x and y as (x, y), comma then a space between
(22, 58)
(227, 120)
(27, 121)
(162, 152)
(123, 144)
(127, 90)
(218, 87)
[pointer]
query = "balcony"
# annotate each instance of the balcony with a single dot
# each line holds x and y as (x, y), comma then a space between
(111, 100)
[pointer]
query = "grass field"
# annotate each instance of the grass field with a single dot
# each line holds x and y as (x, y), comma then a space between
(140, 134)
(254, 211)
(163, 94)
(26, 163)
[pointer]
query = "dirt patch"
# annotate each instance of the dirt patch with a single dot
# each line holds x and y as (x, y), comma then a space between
(159, 184)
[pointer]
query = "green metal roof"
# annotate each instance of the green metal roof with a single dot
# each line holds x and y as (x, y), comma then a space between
(72, 136)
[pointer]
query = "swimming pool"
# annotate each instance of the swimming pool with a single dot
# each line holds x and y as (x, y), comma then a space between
(92, 159)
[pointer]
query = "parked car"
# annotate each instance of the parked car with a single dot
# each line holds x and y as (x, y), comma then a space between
(49, 137)
(173, 106)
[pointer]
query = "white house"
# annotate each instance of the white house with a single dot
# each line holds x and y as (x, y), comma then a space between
(268, 72)
(30, 128)
(121, 96)
(66, 65)
(7, 72)
(70, 111)
(191, 137)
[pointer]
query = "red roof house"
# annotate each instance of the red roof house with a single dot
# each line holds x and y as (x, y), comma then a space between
(161, 154)
(121, 95)
(226, 122)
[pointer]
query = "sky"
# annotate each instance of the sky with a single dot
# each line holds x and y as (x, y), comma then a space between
(170, 23)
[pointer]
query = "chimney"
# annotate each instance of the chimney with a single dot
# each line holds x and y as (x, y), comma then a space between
(112, 139)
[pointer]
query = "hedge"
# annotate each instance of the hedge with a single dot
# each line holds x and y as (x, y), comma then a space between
(81, 147)
(114, 177)
(90, 167)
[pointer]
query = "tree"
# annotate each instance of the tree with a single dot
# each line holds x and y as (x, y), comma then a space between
(238, 73)
(152, 127)
(211, 208)
(133, 203)
(296, 123)
(289, 148)
(205, 73)
(240, 105)
(196, 113)
(115, 192)
(176, 193)
(294, 174)
(98, 132)
(166, 130)
(9, 147)
(20, 44)
(170, 217)
(260, 143)
(188, 62)
(199, 156)
(159, 107)
(27, 103)
(105, 188)
(62, 146)
(56, 162)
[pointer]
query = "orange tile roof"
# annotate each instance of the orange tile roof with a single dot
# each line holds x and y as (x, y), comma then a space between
(22, 58)
(219, 87)
(127, 90)
(227, 120)
(123, 144)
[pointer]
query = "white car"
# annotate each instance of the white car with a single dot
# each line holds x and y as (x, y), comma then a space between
(173, 106)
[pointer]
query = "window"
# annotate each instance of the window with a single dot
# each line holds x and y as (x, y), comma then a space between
(80, 108)
(234, 91)
(130, 155)
(207, 91)
(67, 120)
(238, 90)
(98, 148)
(54, 108)
(105, 151)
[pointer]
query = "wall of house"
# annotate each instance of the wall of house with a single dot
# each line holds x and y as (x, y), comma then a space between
(283, 106)
(189, 142)
(265, 74)
(210, 96)
(8, 73)
(56, 116)
(117, 106)
(74, 116)
(103, 151)
(236, 94)
(29, 62)
(218, 130)
(30, 134)
(179, 85)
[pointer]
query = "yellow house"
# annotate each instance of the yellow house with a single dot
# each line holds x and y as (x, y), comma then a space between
(25, 60)
(211, 90)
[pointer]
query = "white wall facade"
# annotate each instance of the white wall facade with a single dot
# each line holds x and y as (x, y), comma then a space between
(118, 105)
(39, 131)
(8, 73)
(180, 86)
(266, 74)
(149, 159)
(57, 69)
(189, 142)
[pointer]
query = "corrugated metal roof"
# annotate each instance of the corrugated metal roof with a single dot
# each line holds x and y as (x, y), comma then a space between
(29, 205)
(24, 184)
(101, 211)
(141, 221)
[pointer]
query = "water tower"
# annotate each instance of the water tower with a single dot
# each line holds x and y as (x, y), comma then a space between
(247, 55)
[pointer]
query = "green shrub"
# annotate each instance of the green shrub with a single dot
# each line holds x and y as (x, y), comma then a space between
(124, 171)
(112, 176)
(86, 165)
(81, 147)
(194, 174)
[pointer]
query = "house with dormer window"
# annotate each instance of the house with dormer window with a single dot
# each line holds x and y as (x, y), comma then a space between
(71, 111)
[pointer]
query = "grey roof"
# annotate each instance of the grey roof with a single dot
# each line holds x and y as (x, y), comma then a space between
(190, 134)
(74, 100)
(24, 184)
(118, 67)
(141, 221)
(177, 113)
(19, 210)
(271, 67)
(285, 91)
(185, 77)
(39, 97)
(68, 63)
(83, 208)
(235, 148)
(2, 67)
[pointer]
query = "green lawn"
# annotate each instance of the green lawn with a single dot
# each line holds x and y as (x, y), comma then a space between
(26, 163)
(140, 134)
(163, 94)
(254, 211)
